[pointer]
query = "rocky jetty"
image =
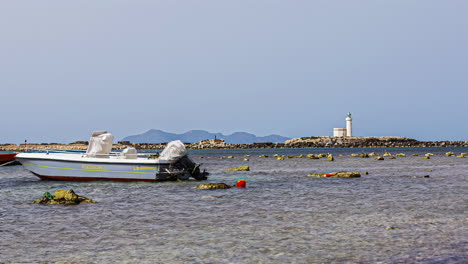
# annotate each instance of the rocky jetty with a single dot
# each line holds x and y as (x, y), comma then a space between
(305, 142)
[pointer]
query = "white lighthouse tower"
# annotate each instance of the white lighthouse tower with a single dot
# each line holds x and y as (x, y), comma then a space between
(349, 125)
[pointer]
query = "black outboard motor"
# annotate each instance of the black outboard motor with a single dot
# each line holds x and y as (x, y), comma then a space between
(184, 163)
(180, 166)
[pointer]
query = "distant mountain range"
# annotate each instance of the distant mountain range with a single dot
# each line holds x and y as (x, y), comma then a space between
(192, 136)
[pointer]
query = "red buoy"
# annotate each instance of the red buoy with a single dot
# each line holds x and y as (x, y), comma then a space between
(241, 183)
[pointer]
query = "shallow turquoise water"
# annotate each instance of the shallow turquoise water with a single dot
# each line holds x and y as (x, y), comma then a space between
(281, 217)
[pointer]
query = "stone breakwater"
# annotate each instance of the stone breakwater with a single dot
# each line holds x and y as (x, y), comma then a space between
(307, 142)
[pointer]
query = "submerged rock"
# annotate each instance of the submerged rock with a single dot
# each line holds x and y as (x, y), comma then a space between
(209, 196)
(63, 197)
(212, 186)
(342, 174)
(240, 168)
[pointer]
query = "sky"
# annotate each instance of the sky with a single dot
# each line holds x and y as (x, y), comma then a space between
(293, 68)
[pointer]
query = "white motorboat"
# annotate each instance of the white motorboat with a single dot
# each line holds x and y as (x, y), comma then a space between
(99, 163)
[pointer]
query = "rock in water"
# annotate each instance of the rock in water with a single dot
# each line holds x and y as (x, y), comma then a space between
(379, 158)
(342, 174)
(70, 195)
(330, 157)
(212, 186)
(63, 197)
(240, 168)
(59, 194)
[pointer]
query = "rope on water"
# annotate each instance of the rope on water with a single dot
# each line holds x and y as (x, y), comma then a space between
(4, 164)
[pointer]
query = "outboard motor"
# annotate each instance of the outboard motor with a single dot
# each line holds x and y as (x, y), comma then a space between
(181, 166)
(191, 167)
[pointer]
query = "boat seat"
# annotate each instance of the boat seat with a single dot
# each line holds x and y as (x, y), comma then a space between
(129, 153)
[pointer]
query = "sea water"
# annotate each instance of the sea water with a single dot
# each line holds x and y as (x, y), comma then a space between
(395, 214)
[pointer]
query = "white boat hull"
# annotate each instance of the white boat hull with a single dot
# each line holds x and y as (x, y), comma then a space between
(77, 167)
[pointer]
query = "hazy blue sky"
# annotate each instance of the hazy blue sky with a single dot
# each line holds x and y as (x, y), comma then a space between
(293, 68)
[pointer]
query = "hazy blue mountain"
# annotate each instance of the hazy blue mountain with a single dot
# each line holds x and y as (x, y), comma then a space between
(159, 136)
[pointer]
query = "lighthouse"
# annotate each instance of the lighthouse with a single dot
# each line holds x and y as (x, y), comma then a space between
(349, 125)
(345, 132)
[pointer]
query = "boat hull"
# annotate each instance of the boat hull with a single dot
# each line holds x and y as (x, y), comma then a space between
(83, 179)
(49, 168)
(8, 159)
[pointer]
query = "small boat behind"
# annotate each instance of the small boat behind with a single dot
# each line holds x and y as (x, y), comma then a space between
(8, 159)
(99, 163)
